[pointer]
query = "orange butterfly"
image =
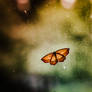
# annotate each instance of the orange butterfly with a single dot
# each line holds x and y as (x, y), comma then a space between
(57, 56)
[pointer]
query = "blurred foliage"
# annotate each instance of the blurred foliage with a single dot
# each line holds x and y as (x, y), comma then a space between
(83, 9)
(73, 87)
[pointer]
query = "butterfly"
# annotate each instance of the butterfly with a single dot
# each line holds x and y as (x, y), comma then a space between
(55, 57)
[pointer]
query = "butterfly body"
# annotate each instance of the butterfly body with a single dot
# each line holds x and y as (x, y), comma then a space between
(55, 57)
(54, 53)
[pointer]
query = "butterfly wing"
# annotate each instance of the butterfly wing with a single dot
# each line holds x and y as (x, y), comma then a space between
(47, 58)
(53, 60)
(63, 52)
(60, 57)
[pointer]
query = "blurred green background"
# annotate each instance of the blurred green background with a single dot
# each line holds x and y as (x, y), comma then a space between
(30, 29)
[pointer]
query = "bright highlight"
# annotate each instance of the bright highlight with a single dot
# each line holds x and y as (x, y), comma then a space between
(68, 3)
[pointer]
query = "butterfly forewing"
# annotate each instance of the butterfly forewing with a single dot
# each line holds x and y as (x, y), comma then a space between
(47, 58)
(60, 58)
(53, 60)
(64, 51)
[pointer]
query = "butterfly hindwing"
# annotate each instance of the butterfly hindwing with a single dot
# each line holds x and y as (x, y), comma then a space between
(60, 58)
(47, 58)
(53, 60)
(64, 51)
